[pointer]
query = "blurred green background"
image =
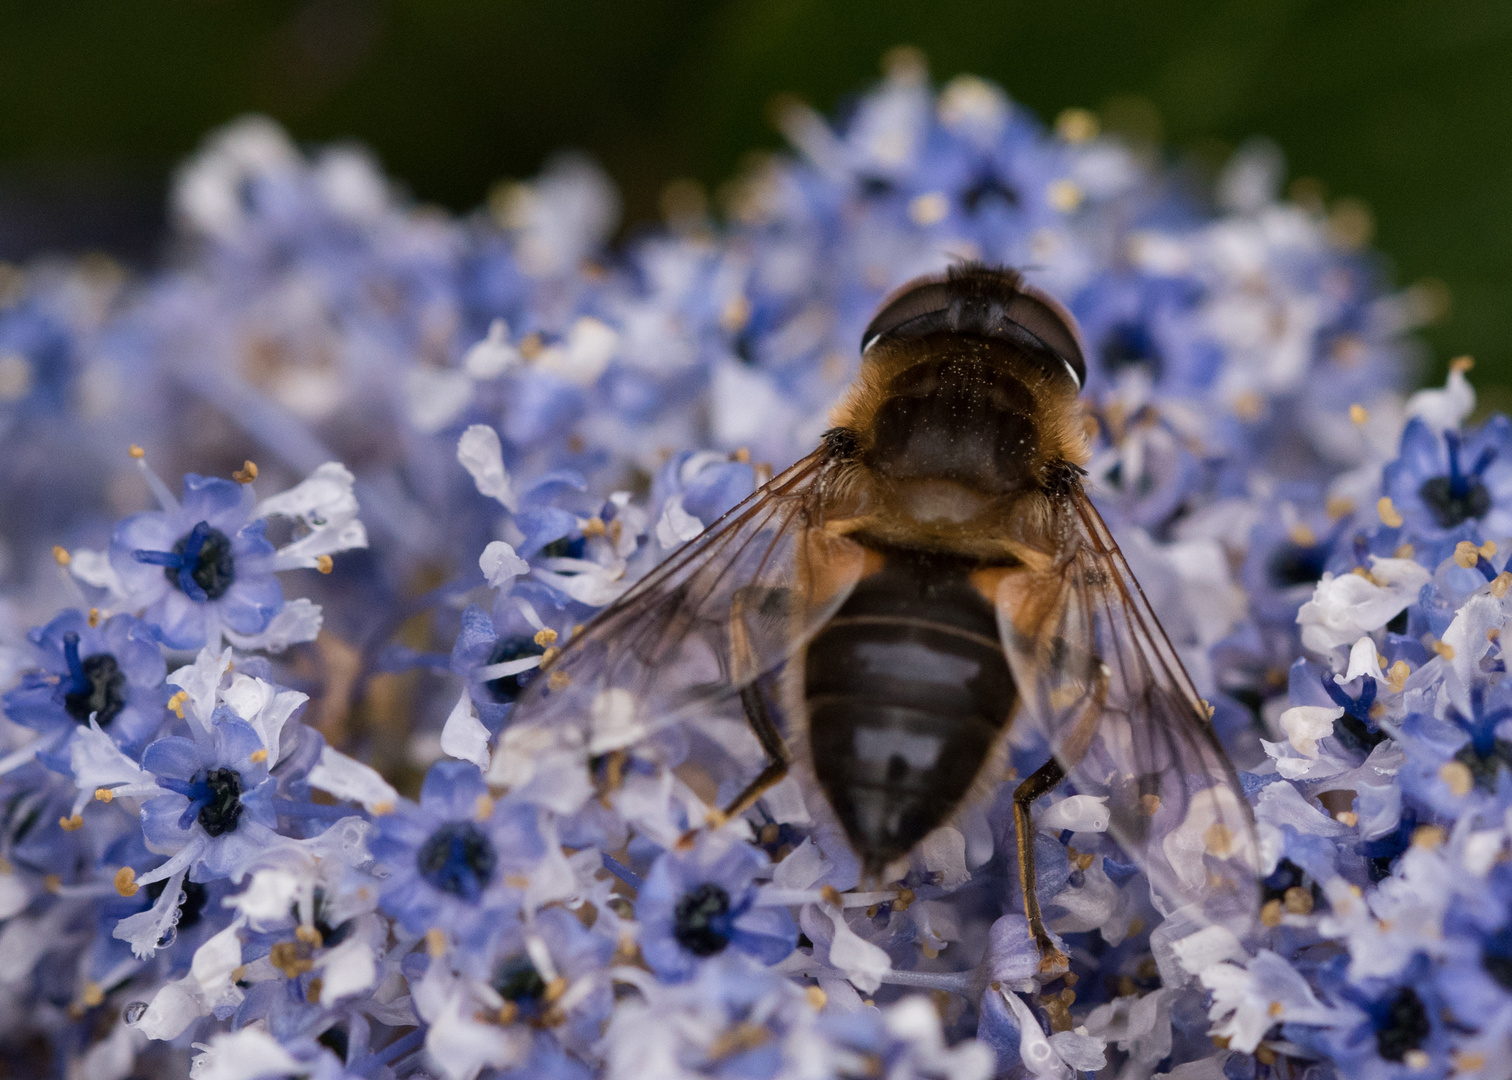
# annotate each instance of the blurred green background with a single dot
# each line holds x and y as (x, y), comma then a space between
(1400, 103)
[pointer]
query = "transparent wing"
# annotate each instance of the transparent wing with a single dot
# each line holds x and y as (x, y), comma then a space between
(731, 605)
(1098, 675)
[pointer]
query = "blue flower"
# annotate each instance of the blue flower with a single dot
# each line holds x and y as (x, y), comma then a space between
(218, 815)
(112, 671)
(697, 904)
(1448, 484)
(199, 565)
(451, 858)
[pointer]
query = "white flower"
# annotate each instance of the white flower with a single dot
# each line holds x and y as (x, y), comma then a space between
(349, 779)
(464, 735)
(323, 509)
(500, 564)
(265, 706)
(482, 455)
(247, 1054)
(492, 356)
(1347, 606)
(1446, 409)
(1248, 1001)
(1306, 724)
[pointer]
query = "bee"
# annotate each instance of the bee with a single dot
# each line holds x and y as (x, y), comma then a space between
(882, 613)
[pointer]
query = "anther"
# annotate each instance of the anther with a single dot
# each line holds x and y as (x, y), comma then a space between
(324, 563)
(545, 637)
(61, 555)
(1358, 414)
(72, 823)
(136, 452)
(247, 473)
(258, 756)
(1388, 512)
(125, 881)
(177, 702)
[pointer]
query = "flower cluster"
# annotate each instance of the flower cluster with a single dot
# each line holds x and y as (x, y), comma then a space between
(249, 836)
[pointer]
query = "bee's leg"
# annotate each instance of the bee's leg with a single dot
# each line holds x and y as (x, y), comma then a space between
(1040, 781)
(764, 600)
(772, 743)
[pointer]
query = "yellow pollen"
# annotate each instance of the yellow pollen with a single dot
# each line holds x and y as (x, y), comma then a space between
(545, 637)
(929, 951)
(72, 823)
(905, 898)
(1500, 584)
(1065, 195)
(94, 617)
(1464, 1062)
(1249, 405)
(1456, 777)
(1298, 901)
(177, 703)
(1444, 649)
(741, 454)
(52, 883)
(1219, 839)
(1427, 837)
(831, 896)
(817, 998)
(94, 993)
(1347, 817)
(1466, 554)
(61, 555)
(258, 756)
(1462, 364)
(483, 808)
(435, 942)
(104, 794)
(125, 881)
(1338, 507)
(735, 314)
(1208, 707)
(309, 935)
(1276, 1009)
(1416, 1059)
(551, 653)
(1358, 414)
(247, 473)
(594, 526)
(1076, 125)
(1388, 512)
(381, 808)
(1404, 551)
(325, 564)
(928, 209)
(1149, 804)
(1302, 535)
(1488, 549)
(1397, 676)
(136, 451)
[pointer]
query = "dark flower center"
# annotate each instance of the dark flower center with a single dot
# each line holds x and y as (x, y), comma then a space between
(565, 547)
(988, 188)
(200, 564)
(1296, 564)
(518, 980)
(1355, 729)
(96, 685)
(222, 806)
(506, 688)
(1461, 495)
(1484, 766)
(458, 859)
(701, 923)
(1127, 345)
(1402, 1025)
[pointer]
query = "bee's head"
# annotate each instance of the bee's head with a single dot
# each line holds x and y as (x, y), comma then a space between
(976, 300)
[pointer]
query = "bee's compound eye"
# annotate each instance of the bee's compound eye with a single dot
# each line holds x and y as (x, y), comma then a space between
(911, 300)
(1047, 319)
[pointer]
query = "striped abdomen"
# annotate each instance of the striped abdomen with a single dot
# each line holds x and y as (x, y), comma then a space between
(907, 691)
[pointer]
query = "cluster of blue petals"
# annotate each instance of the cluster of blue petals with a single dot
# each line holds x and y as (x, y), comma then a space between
(263, 807)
